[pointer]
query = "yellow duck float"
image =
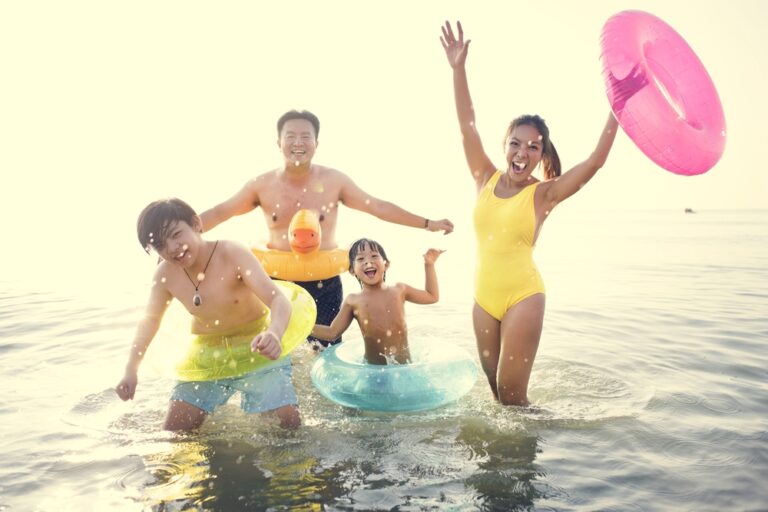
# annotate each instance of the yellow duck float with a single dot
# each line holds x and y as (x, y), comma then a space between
(305, 261)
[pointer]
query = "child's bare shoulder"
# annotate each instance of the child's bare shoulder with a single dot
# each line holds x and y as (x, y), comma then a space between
(353, 299)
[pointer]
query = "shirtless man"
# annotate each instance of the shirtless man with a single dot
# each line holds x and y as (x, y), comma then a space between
(298, 184)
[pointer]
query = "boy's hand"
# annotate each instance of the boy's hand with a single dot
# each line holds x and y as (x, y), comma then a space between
(440, 225)
(431, 255)
(267, 344)
(126, 388)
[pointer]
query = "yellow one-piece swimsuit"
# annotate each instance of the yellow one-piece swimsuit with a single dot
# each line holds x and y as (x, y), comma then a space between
(505, 228)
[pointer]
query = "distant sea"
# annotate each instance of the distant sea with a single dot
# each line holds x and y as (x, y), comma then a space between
(650, 392)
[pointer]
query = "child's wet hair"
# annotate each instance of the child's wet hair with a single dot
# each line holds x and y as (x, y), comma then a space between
(360, 245)
(158, 217)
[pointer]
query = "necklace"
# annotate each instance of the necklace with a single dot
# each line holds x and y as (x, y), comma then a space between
(196, 300)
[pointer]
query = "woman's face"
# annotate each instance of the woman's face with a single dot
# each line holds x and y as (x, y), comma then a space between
(525, 147)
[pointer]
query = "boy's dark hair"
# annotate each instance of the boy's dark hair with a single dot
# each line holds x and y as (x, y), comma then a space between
(296, 114)
(158, 216)
(361, 244)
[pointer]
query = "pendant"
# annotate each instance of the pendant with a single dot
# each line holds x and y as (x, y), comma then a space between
(196, 300)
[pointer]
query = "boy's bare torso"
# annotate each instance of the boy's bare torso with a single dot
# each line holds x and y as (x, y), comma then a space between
(380, 314)
(226, 302)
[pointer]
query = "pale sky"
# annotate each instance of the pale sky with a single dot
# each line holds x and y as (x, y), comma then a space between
(108, 105)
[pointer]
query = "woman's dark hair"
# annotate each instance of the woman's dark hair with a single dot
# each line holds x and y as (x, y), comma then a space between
(550, 161)
(158, 216)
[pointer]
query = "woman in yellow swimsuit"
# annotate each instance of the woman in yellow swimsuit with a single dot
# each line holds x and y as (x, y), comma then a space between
(511, 206)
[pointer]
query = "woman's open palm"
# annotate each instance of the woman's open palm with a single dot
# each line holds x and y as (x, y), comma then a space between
(455, 49)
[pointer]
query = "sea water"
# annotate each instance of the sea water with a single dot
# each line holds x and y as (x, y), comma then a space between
(650, 392)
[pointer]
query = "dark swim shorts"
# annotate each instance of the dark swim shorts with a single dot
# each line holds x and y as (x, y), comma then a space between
(328, 295)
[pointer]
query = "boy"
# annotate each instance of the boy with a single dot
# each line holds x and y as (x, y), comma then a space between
(226, 291)
(380, 309)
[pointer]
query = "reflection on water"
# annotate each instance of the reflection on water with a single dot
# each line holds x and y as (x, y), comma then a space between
(649, 394)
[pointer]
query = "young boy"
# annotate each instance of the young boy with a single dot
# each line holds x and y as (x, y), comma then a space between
(302, 184)
(380, 309)
(226, 291)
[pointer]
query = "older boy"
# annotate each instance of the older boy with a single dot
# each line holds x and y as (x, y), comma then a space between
(302, 184)
(226, 291)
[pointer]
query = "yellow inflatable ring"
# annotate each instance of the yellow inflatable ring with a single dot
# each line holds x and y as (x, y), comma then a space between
(225, 355)
(294, 266)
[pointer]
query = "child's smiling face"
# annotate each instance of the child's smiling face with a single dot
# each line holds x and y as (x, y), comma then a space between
(369, 266)
(180, 244)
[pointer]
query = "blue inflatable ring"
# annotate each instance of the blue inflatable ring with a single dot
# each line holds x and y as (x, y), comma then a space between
(440, 373)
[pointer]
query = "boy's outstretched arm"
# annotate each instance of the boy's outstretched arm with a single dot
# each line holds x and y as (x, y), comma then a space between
(338, 326)
(159, 298)
(269, 342)
(245, 200)
(354, 197)
(431, 292)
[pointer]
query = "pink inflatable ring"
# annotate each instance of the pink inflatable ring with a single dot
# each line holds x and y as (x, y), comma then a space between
(661, 94)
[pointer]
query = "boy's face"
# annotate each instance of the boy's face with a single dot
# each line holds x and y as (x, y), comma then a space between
(297, 141)
(180, 244)
(369, 266)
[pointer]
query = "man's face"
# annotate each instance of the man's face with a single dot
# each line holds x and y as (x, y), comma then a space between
(298, 142)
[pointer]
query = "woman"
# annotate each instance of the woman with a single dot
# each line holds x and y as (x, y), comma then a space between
(511, 207)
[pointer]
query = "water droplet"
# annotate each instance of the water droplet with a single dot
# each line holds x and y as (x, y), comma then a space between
(247, 272)
(200, 276)
(367, 201)
(389, 333)
(486, 353)
(162, 279)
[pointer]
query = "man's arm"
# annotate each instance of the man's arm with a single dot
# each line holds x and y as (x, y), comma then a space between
(245, 200)
(354, 197)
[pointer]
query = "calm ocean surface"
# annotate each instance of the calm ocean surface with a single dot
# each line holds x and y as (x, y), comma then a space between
(650, 392)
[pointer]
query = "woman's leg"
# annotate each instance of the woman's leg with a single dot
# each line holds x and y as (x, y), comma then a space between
(488, 344)
(183, 416)
(520, 335)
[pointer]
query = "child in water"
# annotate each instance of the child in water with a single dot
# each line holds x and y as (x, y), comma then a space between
(227, 294)
(379, 308)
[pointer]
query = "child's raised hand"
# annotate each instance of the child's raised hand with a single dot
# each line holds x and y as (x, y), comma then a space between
(267, 344)
(431, 255)
(455, 49)
(126, 388)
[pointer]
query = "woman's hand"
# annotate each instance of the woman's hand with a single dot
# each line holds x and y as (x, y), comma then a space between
(455, 49)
